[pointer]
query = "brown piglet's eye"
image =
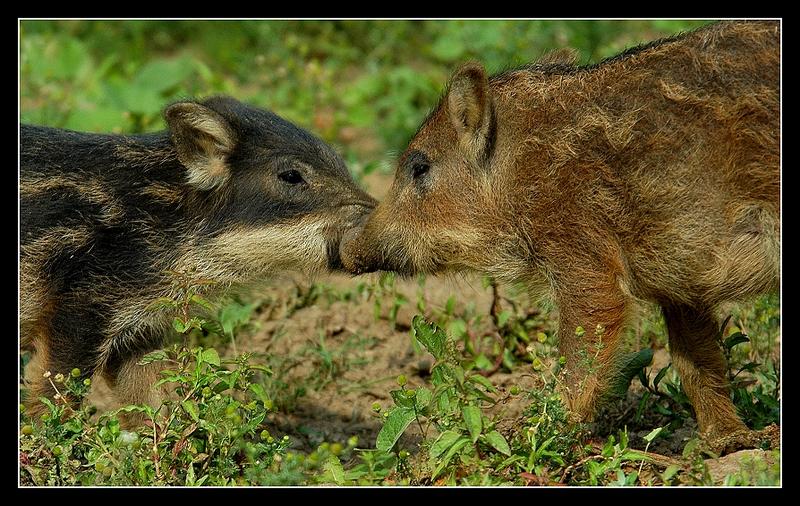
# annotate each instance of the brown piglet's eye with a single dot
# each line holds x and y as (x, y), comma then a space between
(419, 169)
(291, 177)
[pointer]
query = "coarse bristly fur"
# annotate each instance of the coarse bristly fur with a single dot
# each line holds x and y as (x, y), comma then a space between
(230, 193)
(652, 175)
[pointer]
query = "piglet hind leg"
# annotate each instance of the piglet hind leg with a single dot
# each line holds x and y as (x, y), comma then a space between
(61, 346)
(699, 360)
(42, 378)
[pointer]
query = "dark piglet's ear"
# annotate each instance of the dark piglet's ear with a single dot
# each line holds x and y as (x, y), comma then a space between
(203, 140)
(469, 106)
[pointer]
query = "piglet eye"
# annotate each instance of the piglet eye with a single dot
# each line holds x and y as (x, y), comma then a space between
(291, 177)
(419, 169)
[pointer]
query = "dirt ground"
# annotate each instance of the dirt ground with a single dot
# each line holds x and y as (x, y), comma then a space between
(342, 408)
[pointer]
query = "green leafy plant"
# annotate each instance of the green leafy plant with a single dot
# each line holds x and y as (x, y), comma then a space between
(607, 468)
(205, 433)
(454, 407)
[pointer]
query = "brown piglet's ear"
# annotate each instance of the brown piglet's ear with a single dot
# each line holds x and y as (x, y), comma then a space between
(469, 105)
(203, 140)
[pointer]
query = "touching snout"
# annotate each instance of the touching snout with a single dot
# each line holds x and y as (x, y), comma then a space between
(354, 249)
(355, 214)
(375, 245)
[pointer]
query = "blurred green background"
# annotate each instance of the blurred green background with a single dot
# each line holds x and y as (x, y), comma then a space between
(364, 86)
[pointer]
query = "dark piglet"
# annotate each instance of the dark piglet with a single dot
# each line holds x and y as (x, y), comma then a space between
(229, 193)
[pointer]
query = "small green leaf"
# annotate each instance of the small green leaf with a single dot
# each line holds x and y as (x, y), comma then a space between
(200, 301)
(193, 323)
(423, 398)
(498, 442)
(261, 394)
(440, 374)
(473, 419)
(234, 315)
(722, 327)
(258, 367)
(483, 363)
(734, 339)
(455, 448)
(444, 402)
(178, 325)
(162, 381)
(401, 399)
(643, 377)
(191, 408)
(508, 359)
(634, 455)
(663, 410)
(394, 426)
(153, 356)
(190, 476)
(660, 376)
(510, 460)
(749, 367)
(608, 447)
(457, 373)
(690, 447)
(334, 469)
(445, 440)
(653, 434)
(642, 403)
(430, 336)
(211, 356)
(73, 425)
(503, 317)
(670, 471)
(628, 365)
(482, 381)
(213, 327)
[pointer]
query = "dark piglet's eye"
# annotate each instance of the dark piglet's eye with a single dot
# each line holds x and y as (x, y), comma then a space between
(420, 169)
(291, 177)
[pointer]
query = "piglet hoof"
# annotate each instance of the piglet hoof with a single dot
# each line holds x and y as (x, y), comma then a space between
(765, 439)
(771, 435)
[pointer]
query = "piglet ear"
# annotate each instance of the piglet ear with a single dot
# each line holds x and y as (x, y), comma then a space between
(469, 106)
(203, 140)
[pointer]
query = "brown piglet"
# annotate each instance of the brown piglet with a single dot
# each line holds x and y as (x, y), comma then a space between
(653, 175)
